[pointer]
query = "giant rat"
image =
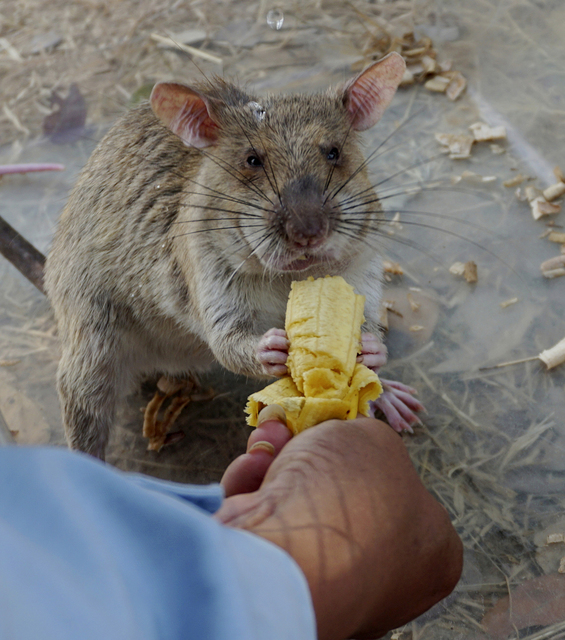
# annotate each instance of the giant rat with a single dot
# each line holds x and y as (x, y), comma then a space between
(187, 225)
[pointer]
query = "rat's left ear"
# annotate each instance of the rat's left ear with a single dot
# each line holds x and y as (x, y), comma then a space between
(369, 94)
(185, 112)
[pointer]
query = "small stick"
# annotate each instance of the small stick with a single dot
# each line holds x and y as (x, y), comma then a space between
(508, 364)
(6, 169)
(23, 255)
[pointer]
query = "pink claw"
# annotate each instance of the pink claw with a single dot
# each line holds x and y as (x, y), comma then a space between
(373, 352)
(272, 352)
(398, 405)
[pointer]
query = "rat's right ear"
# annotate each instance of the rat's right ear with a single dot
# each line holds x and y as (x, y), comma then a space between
(369, 94)
(185, 112)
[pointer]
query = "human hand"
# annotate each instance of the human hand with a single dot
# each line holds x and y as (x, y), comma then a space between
(344, 500)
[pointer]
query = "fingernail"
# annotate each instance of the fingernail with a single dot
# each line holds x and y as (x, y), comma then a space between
(264, 446)
(271, 412)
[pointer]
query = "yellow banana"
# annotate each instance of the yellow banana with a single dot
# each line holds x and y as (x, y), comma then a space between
(323, 325)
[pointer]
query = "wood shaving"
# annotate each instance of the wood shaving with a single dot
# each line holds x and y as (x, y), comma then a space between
(429, 64)
(456, 86)
(389, 306)
(554, 191)
(471, 176)
(457, 269)
(438, 84)
(393, 267)
(470, 272)
(553, 356)
(554, 538)
(458, 145)
(467, 270)
(554, 267)
(415, 306)
(9, 363)
(532, 193)
(515, 181)
(556, 236)
(541, 207)
(483, 132)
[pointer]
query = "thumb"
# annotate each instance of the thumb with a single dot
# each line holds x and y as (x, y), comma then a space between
(245, 474)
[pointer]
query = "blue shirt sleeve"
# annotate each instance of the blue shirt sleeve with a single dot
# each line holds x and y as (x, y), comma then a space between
(91, 553)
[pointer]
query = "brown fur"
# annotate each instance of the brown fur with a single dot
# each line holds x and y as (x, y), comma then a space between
(149, 273)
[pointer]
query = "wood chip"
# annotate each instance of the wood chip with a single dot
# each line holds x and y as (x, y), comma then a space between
(483, 133)
(508, 303)
(559, 174)
(415, 328)
(439, 84)
(456, 86)
(458, 145)
(9, 363)
(562, 566)
(556, 236)
(471, 176)
(429, 64)
(407, 78)
(413, 304)
(393, 267)
(541, 207)
(553, 356)
(554, 267)
(532, 193)
(515, 181)
(554, 191)
(470, 272)
(389, 306)
(457, 269)
(497, 149)
(554, 538)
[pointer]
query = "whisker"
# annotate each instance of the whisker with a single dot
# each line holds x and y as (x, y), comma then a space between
(266, 238)
(188, 233)
(403, 241)
(453, 234)
(229, 199)
(394, 175)
(373, 155)
(235, 173)
(232, 219)
(223, 210)
(215, 191)
(274, 187)
(431, 214)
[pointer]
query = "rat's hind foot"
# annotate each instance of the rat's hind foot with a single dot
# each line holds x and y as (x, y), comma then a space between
(398, 405)
(181, 393)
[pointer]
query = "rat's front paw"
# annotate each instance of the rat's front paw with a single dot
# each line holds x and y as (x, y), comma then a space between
(373, 352)
(398, 404)
(272, 352)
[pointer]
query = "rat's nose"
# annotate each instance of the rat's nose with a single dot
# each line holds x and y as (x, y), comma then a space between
(306, 219)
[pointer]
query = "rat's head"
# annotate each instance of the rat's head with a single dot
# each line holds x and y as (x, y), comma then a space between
(282, 177)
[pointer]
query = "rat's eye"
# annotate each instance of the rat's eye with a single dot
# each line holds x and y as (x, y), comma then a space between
(254, 161)
(333, 154)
